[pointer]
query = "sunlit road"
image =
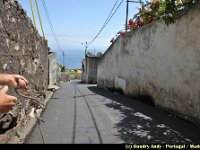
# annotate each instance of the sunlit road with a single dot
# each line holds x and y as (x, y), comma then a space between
(82, 113)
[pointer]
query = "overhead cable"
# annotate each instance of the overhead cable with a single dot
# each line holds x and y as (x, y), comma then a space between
(50, 24)
(111, 14)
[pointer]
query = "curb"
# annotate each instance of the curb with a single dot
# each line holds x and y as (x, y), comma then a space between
(18, 134)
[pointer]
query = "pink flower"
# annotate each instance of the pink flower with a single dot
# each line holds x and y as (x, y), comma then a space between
(140, 22)
(112, 40)
(121, 33)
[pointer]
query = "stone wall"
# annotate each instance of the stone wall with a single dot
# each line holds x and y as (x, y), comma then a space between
(160, 62)
(22, 51)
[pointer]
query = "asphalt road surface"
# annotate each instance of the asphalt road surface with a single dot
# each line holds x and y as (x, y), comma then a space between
(84, 114)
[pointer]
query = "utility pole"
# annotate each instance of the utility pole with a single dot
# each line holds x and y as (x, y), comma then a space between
(126, 24)
(86, 46)
(127, 9)
(63, 58)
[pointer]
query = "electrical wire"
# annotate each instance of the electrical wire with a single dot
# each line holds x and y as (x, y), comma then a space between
(107, 20)
(50, 24)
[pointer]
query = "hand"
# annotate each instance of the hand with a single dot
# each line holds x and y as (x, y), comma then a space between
(22, 84)
(15, 81)
(6, 101)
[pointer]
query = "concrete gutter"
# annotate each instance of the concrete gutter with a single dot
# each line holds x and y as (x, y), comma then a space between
(18, 134)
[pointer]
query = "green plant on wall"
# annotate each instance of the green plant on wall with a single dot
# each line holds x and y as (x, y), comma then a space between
(166, 10)
(148, 13)
(168, 15)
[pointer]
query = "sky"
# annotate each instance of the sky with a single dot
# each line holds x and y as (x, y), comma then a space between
(76, 22)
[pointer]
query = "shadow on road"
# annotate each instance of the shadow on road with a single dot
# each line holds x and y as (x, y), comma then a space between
(142, 123)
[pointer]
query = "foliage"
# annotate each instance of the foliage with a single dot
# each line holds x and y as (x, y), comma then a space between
(75, 73)
(165, 10)
(18, 134)
(62, 67)
(90, 53)
(99, 54)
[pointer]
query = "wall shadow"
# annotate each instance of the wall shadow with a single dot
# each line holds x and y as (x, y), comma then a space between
(143, 123)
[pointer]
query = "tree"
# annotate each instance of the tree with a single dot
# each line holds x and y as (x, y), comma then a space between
(62, 68)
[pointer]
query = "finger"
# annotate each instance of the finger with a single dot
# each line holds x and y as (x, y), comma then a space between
(8, 108)
(5, 109)
(28, 92)
(22, 78)
(12, 100)
(21, 84)
(4, 90)
(13, 83)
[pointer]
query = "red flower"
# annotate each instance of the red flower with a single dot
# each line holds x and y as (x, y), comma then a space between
(132, 25)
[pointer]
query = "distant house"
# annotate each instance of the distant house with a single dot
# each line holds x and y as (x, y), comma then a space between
(53, 76)
(79, 71)
(89, 69)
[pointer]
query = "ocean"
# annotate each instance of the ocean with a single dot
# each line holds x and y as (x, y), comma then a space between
(72, 58)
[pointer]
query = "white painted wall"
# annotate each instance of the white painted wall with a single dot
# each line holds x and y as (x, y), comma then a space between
(160, 61)
(89, 67)
(53, 68)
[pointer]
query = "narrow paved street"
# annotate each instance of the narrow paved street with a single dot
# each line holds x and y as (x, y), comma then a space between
(82, 113)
